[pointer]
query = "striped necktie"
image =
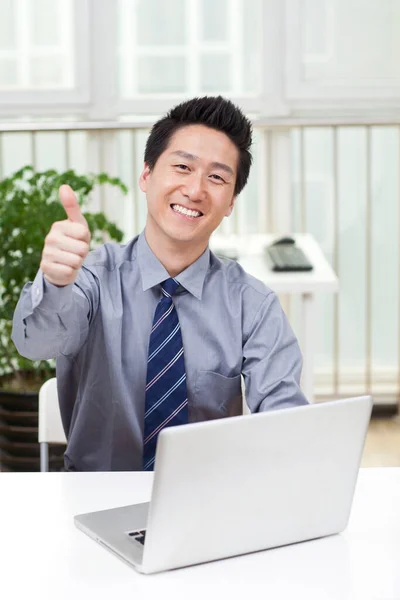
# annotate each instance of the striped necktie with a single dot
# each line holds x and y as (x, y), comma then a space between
(166, 398)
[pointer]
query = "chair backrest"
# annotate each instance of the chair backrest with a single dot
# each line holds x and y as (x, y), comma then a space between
(50, 425)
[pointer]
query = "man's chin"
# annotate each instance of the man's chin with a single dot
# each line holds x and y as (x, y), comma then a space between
(187, 237)
(173, 230)
(184, 238)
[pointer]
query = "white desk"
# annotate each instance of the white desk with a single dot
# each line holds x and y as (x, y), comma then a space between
(322, 278)
(43, 555)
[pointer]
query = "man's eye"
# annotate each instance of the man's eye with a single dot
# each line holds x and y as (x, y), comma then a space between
(218, 177)
(184, 167)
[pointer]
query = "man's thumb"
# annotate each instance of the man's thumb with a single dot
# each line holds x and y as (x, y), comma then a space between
(71, 206)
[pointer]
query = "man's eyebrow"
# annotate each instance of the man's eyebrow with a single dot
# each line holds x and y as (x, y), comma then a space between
(183, 154)
(214, 165)
(223, 167)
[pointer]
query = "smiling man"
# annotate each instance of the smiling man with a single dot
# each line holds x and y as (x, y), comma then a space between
(159, 331)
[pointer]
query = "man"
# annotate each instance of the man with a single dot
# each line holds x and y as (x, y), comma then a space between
(158, 332)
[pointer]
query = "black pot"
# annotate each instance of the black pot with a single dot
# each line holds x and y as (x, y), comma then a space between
(19, 446)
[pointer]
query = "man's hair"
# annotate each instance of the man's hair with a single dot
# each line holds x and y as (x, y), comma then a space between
(214, 112)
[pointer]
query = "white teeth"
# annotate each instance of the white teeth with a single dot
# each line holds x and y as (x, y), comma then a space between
(185, 211)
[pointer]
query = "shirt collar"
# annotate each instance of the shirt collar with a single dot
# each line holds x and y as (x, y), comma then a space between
(153, 272)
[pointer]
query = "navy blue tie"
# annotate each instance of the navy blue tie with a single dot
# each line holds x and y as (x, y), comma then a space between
(166, 398)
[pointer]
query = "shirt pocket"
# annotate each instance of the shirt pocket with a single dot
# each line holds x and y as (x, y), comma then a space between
(216, 396)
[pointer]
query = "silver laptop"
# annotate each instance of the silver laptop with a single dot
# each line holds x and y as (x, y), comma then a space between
(241, 484)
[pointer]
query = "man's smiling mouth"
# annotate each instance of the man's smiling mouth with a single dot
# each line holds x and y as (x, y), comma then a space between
(194, 214)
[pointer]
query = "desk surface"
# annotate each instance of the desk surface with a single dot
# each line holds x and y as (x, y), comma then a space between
(43, 555)
(250, 249)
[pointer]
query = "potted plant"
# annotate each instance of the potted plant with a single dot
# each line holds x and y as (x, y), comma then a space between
(29, 205)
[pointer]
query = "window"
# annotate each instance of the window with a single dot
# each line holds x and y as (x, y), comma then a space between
(185, 47)
(36, 52)
(41, 53)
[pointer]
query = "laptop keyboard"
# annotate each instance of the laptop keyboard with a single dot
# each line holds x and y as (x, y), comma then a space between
(139, 536)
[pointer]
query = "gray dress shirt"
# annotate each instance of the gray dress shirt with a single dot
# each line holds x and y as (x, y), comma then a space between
(98, 330)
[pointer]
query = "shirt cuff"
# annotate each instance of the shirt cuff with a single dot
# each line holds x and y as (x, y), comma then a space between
(48, 296)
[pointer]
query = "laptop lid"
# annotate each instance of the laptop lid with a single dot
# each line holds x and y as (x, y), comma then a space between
(242, 484)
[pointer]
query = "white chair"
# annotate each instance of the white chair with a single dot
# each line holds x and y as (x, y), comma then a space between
(50, 425)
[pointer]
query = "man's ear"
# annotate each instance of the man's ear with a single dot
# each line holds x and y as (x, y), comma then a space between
(230, 209)
(143, 177)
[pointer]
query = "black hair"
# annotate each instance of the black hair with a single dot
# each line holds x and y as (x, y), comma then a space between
(214, 112)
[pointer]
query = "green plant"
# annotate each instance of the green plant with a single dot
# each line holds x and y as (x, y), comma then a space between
(29, 205)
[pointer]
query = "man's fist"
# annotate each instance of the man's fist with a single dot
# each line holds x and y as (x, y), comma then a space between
(67, 243)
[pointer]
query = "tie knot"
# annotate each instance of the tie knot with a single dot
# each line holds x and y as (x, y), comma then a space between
(169, 286)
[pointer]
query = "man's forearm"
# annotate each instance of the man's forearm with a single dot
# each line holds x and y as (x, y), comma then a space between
(49, 320)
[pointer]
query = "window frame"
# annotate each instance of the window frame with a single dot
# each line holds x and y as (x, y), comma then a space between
(52, 102)
(95, 97)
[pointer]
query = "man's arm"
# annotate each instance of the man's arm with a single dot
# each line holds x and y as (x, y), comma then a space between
(272, 360)
(53, 314)
(51, 320)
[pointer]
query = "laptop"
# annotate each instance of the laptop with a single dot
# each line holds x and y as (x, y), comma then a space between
(241, 484)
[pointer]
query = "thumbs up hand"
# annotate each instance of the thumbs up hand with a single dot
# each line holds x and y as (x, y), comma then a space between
(67, 243)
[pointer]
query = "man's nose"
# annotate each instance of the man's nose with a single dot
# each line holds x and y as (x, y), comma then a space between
(196, 187)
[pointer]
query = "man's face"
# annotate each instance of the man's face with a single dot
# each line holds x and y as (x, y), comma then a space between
(196, 173)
